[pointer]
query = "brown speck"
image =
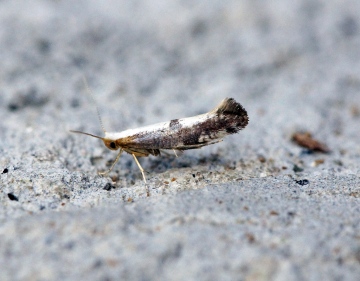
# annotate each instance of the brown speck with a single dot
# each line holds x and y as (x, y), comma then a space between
(284, 167)
(246, 208)
(355, 111)
(166, 182)
(355, 194)
(130, 200)
(173, 179)
(62, 204)
(261, 112)
(306, 140)
(112, 262)
(114, 179)
(250, 237)
(318, 162)
(51, 224)
(262, 159)
(274, 213)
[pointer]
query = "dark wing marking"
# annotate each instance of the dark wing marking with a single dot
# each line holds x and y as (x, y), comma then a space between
(230, 108)
(229, 117)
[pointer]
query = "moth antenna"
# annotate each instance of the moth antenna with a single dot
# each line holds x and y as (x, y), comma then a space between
(94, 102)
(83, 133)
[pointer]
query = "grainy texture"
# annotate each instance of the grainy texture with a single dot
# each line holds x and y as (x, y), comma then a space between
(253, 207)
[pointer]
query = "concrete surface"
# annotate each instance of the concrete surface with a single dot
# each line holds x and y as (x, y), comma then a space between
(254, 207)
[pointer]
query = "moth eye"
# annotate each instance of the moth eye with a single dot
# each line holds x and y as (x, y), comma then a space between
(112, 145)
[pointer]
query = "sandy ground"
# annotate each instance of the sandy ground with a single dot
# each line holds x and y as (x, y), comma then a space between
(255, 207)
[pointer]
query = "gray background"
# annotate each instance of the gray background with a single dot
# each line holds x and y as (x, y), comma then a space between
(231, 211)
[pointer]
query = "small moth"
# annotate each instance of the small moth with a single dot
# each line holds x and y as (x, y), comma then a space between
(229, 117)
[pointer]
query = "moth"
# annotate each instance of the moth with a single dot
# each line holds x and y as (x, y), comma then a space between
(229, 117)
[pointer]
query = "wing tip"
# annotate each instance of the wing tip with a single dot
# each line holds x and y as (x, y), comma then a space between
(230, 106)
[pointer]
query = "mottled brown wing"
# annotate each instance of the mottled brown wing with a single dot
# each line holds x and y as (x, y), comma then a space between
(229, 117)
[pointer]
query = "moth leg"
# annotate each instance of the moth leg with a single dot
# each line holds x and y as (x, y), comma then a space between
(113, 164)
(141, 168)
(175, 152)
